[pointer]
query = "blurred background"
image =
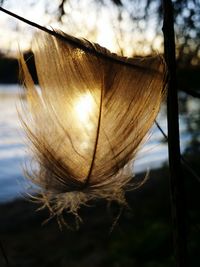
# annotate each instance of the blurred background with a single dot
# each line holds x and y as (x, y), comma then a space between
(142, 234)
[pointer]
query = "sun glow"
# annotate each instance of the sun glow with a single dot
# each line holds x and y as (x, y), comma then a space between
(85, 116)
(84, 108)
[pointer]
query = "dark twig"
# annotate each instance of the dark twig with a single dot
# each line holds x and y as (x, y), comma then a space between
(183, 160)
(76, 42)
(176, 174)
(61, 9)
(161, 130)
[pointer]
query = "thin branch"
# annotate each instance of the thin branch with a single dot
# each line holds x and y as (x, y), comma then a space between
(183, 160)
(61, 10)
(161, 130)
(176, 173)
(77, 43)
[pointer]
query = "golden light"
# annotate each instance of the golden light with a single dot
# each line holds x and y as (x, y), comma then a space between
(84, 108)
(84, 114)
(97, 110)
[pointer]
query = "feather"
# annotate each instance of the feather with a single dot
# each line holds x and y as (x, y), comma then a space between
(87, 119)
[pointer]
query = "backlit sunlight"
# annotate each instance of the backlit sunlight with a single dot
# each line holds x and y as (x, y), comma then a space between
(84, 109)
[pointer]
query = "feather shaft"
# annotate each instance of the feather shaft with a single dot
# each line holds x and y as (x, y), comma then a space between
(88, 119)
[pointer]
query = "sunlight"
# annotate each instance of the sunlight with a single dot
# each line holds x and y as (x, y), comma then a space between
(102, 26)
(84, 111)
(84, 108)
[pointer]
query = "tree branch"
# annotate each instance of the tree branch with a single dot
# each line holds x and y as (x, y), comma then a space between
(176, 174)
(77, 43)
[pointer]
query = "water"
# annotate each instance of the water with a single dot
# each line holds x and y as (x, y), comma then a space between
(13, 151)
(12, 148)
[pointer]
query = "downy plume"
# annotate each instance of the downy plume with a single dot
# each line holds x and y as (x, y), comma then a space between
(87, 118)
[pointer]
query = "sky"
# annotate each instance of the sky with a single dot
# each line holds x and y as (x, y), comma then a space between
(87, 19)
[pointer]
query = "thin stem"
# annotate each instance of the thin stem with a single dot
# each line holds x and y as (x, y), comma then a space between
(78, 43)
(176, 174)
(183, 160)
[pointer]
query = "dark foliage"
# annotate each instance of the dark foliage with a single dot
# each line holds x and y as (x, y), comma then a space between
(142, 236)
(9, 68)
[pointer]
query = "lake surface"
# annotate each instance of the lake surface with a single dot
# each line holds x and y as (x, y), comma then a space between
(14, 153)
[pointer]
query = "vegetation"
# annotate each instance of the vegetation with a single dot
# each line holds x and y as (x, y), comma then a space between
(141, 237)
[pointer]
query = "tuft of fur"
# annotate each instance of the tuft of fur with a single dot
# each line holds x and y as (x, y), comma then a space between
(82, 157)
